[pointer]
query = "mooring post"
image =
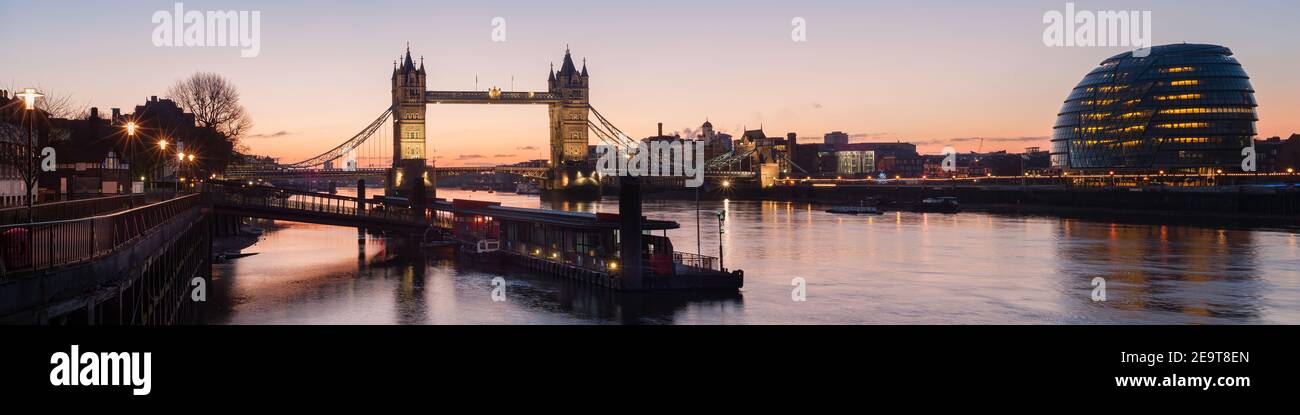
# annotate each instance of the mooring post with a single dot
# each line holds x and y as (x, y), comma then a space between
(629, 213)
(361, 210)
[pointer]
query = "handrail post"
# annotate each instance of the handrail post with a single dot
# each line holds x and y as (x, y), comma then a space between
(51, 238)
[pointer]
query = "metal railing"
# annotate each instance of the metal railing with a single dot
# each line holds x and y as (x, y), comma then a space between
(697, 261)
(308, 202)
(46, 245)
(73, 209)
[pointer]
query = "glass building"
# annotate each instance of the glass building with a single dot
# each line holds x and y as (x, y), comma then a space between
(1183, 108)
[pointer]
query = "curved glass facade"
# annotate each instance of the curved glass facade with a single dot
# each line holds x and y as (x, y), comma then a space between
(1183, 108)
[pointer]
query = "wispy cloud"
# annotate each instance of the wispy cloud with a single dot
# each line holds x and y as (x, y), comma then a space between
(502, 155)
(868, 136)
(527, 148)
(961, 140)
(280, 133)
(469, 157)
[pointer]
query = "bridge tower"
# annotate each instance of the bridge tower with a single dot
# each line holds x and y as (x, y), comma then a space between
(410, 177)
(570, 171)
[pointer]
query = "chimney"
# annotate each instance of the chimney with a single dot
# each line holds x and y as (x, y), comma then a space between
(661, 129)
(94, 113)
(4, 94)
(153, 98)
(117, 114)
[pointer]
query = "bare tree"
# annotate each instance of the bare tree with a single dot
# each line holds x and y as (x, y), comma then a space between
(56, 104)
(214, 101)
(18, 147)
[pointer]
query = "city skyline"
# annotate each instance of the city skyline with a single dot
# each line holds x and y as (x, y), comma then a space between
(649, 64)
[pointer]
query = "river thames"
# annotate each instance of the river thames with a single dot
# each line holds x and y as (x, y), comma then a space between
(897, 268)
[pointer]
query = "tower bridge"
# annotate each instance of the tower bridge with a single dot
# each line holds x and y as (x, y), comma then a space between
(573, 123)
(568, 103)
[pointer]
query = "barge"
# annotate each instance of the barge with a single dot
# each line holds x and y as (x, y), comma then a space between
(584, 246)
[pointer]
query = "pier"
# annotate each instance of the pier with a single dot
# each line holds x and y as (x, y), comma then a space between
(582, 246)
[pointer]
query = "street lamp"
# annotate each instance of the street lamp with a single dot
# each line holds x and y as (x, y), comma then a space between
(180, 158)
(722, 217)
(29, 97)
(162, 149)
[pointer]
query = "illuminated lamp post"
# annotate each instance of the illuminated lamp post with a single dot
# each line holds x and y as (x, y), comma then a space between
(29, 97)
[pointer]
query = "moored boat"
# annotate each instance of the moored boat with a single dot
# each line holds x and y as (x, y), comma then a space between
(855, 210)
(938, 205)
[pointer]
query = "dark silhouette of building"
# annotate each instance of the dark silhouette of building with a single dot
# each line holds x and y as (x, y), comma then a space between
(1275, 155)
(90, 159)
(163, 120)
(859, 160)
(1278, 155)
(836, 138)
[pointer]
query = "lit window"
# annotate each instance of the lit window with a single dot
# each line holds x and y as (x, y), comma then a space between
(1177, 97)
(1184, 125)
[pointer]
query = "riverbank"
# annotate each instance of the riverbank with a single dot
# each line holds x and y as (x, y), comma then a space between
(1238, 206)
(249, 235)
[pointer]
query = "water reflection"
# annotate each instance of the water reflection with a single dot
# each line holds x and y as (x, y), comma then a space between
(897, 268)
(1203, 274)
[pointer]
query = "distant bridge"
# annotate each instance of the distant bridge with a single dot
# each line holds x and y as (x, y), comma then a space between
(239, 173)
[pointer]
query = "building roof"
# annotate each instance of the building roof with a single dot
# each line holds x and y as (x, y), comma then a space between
(567, 68)
(578, 220)
(89, 140)
(1180, 48)
(753, 135)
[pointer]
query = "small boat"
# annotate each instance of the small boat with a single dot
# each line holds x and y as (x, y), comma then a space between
(527, 188)
(437, 239)
(938, 205)
(486, 250)
(855, 210)
(224, 257)
(870, 206)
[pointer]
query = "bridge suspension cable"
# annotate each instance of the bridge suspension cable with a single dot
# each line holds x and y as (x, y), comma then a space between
(609, 133)
(342, 149)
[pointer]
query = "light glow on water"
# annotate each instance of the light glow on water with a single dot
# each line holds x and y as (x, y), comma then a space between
(899, 268)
